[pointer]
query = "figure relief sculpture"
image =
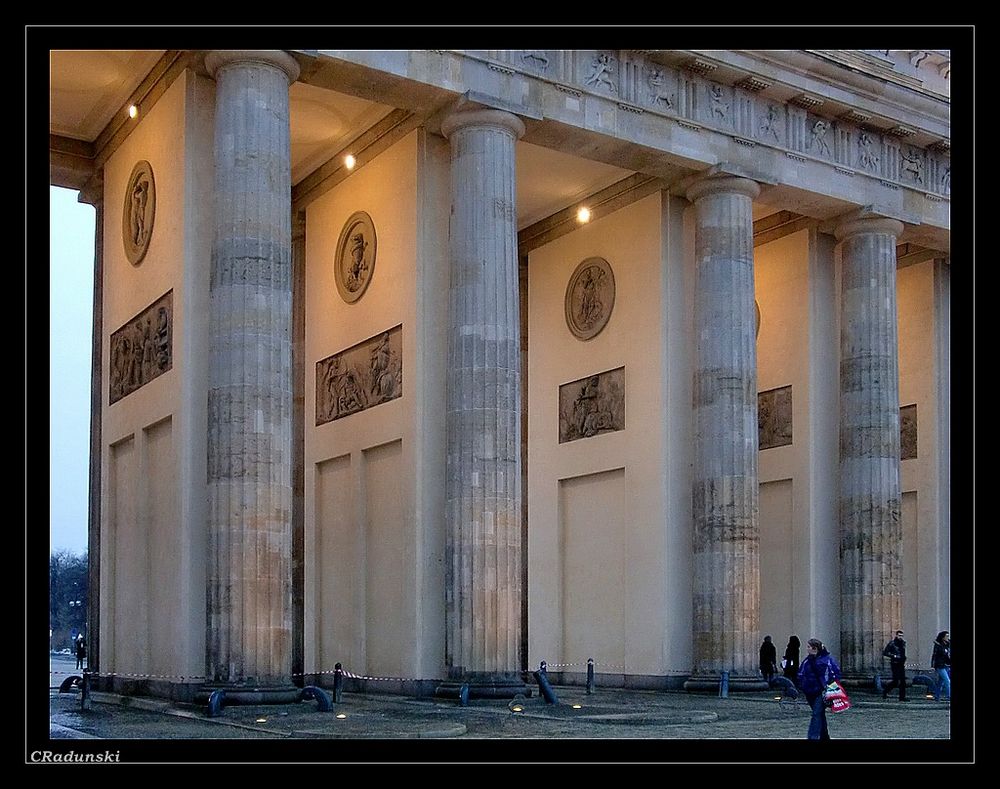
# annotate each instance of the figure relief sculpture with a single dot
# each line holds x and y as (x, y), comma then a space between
(601, 73)
(718, 106)
(138, 212)
(592, 405)
(946, 180)
(913, 164)
(536, 54)
(817, 138)
(162, 339)
(355, 262)
(383, 374)
(774, 418)
(360, 377)
(141, 350)
(656, 92)
(767, 128)
(590, 297)
(867, 157)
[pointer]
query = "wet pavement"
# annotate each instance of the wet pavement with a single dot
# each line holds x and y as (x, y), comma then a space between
(610, 723)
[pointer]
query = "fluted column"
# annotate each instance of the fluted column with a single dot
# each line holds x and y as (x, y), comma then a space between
(484, 400)
(870, 527)
(724, 495)
(250, 374)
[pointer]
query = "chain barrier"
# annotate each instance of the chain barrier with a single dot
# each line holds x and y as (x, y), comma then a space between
(321, 672)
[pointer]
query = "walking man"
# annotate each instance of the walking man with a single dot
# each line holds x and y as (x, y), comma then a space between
(895, 650)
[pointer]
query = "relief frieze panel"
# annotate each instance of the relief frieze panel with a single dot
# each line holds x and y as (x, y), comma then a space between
(142, 349)
(601, 72)
(365, 375)
(592, 405)
(908, 432)
(853, 140)
(774, 418)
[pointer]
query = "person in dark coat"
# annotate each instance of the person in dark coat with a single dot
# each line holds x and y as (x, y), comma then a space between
(768, 659)
(816, 672)
(81, 650)
(941, 661)
(895, 650)
(791, 669)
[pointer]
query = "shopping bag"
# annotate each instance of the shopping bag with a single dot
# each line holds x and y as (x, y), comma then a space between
(835, 697)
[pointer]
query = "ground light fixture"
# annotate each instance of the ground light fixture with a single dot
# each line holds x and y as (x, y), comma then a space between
(341, 715)
(578, 706)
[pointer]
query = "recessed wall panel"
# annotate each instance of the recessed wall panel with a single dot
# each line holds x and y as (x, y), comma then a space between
(166, 635)
(337, 558)
(777, 551)
(592, 524)
(388, 639)
(129, 546)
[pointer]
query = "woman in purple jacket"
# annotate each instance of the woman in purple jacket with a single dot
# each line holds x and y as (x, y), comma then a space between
(816, 672)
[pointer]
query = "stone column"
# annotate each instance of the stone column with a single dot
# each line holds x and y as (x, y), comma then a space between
(95, 196)
(248, 642)
(724, 495)
(870, 526)
(298, 441)
(483, 554)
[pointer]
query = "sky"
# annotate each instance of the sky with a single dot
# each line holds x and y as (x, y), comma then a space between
(71, 311)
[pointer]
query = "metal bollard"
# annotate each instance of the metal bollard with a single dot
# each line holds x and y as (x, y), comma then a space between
(541, 677)
(85, 691)
(590, 676)
(724, 686)
(463, 695)
(338, 683)
(878, 684)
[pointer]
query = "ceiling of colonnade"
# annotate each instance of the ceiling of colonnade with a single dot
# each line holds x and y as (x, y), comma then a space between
(88, 89)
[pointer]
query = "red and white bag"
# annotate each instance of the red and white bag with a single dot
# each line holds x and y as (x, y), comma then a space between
(835, 697)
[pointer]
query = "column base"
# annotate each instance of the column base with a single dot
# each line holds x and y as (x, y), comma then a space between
(485, 685)
(251, 693)
(700, 683)
(863, 680)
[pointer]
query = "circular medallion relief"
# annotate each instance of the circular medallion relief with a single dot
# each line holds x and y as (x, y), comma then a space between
(139, 212)
(355, 260)
(590, 297)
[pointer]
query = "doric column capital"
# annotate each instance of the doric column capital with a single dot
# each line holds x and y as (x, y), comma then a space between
(725, 184)
(220, 58)
(857, 223)
(498, 119)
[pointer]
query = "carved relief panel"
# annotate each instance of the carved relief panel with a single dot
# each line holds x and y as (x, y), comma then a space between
(142, 349)
(774, 418)
(908, 432)
(600, 72)
(139, 212)
(590, 297)
(360, 377)
(355, 256)
(592, 405)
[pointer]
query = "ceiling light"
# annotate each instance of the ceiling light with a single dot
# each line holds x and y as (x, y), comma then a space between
(350, 161)
(133, 111)
(583, 215)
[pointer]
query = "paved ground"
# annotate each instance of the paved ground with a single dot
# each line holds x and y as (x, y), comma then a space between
(637, 720)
